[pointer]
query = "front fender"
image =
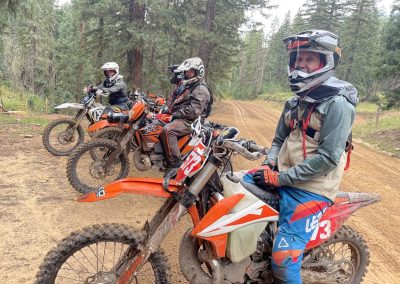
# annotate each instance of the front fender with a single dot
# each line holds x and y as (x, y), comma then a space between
(142, 186)
(69, 105)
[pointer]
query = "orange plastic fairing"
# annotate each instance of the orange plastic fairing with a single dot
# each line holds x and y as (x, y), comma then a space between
(217, 211)
(103, 124)
(142, 186)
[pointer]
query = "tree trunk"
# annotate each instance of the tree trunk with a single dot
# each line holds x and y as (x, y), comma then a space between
(80, 74)
(205, 47)
(101, 39)
(135, 54)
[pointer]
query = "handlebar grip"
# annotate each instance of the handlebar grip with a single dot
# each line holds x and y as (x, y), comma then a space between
(242, 150)
(258, 148)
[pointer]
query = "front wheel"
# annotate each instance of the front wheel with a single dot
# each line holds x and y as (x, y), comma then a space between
(60, 137)
(92, 254)
(344, 258)
(86, 167)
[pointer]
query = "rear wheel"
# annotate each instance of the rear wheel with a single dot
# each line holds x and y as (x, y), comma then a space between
(342, 259)
(86, 167)
(60, 137)
(91, 256)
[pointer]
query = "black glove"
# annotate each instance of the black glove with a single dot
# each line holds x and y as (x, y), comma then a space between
(265, 177)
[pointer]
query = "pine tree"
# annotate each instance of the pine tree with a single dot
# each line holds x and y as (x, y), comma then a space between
(389, 71)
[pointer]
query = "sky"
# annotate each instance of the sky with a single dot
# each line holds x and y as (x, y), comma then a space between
(283, 7)
(293, 6)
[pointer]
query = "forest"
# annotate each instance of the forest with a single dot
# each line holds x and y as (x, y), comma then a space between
(51, 51)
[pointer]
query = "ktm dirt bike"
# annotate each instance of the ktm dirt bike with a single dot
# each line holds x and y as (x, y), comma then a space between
(105, 160)
(62, 136)
(234, 225)
(112, 124)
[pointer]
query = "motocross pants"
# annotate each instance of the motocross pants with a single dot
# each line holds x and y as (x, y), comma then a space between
(169, 138)
(299, 215)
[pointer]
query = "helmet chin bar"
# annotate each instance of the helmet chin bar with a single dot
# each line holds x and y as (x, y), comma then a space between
(190, 81)
(300, 85)
(300, 81)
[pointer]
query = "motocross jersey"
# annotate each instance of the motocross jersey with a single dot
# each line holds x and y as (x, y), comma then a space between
(116, 90)
(192, 102)
(315, 162)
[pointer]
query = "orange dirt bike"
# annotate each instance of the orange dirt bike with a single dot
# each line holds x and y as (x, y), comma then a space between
(105, 160)
(234, 225)
(62, 136)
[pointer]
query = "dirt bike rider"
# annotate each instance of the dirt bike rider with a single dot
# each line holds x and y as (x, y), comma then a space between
(308, 148)
(114, 88)
(175, 79)
(194, 101)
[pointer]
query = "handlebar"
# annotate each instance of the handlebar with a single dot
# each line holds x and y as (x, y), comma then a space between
(237, 146)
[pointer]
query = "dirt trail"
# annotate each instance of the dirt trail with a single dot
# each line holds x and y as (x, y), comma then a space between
(38, 207)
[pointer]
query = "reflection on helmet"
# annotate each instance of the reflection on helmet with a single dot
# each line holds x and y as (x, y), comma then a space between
(110, 66)
(194, 63)
(326, 44)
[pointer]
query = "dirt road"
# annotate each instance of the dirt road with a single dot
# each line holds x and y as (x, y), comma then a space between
(38, 208)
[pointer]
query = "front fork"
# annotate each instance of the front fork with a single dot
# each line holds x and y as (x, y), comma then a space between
(122, 143)
(163, 222)
(77, 120)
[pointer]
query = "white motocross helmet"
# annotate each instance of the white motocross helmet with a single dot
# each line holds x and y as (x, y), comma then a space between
(323, 42)
(111, 66)
(194, 63)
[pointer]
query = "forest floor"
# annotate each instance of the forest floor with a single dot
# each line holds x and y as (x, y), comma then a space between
(38, 206)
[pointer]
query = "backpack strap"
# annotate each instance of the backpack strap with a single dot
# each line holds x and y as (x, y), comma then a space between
(348, 149)
(303, 123)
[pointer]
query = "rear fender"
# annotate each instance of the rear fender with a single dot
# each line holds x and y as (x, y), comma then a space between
(141, 186)
(103, 124)
(346, 203)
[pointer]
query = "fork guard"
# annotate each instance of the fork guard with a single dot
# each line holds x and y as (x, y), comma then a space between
(141, 186)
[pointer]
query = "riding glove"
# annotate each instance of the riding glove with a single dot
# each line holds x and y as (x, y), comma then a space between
(266, 177)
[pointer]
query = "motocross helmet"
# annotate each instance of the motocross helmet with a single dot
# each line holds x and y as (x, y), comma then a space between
(110, 66)
(194, 63)
(176, 76)
(326, 44)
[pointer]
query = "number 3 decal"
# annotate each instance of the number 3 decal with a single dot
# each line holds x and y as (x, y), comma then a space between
(326, 226)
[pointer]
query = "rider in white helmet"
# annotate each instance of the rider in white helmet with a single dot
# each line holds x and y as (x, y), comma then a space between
(195, 100)
(308, 154)
(113, 87)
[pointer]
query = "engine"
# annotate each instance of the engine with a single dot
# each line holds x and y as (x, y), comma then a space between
(255, 268)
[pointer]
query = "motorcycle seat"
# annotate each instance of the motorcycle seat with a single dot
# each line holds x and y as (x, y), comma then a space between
(118, 117)
(265, 195)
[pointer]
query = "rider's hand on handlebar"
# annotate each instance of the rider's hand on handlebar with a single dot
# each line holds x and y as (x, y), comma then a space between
(99, 92)
(265, 176)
